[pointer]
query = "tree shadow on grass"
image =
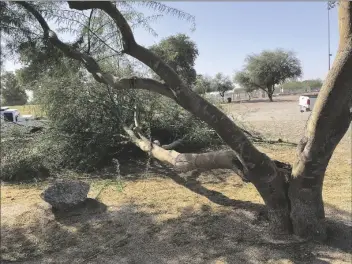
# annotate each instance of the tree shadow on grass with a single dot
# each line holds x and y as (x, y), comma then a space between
(83, 211)
(339, 232)
(131, 234)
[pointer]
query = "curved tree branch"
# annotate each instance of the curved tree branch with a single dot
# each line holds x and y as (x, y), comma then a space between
(92, 66)
(30, 8)
(89, 22)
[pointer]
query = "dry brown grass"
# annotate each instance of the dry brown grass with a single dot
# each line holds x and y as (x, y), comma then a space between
(164, 218)
(169, 218)
(29, 110)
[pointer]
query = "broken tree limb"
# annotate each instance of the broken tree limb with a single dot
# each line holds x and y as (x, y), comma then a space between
(190, 161)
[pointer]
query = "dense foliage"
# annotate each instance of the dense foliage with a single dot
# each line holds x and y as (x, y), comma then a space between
(85, 118)
(180, 53)
(12, 93)
(85, 125)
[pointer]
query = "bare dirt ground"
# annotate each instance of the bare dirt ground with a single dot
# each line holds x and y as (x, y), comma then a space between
(279, 119)
(163, 217)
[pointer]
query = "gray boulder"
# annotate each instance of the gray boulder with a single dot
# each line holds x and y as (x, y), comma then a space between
(65, 194)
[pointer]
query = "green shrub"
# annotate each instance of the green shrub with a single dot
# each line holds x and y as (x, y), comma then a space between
(21, 159)
(85, 126)
(87, 118)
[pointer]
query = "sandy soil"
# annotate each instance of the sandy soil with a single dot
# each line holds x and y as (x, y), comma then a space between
(279, 119)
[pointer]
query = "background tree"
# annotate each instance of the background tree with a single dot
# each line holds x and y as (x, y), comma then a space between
(302, 86)
(244, 83)
(292, 86)
(268, 69)
(180, 52)
(221, 83)
(203, 84)
(11, 91)
(313, 84)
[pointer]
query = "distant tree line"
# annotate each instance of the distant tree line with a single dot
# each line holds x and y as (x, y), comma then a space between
(268, 71)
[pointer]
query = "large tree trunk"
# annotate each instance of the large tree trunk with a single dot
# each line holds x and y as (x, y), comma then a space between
(327, 125)
(270, 92)
(270, 95)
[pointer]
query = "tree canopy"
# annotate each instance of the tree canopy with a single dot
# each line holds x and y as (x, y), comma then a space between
(267, 70)
(221, 83)
(180, 53)
(203, 84)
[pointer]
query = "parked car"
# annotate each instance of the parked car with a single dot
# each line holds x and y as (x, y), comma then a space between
(307, 101)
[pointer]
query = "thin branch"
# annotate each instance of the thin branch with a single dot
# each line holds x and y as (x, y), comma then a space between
(89, 21)
(104, 42)
(174, 144)
(92, 66)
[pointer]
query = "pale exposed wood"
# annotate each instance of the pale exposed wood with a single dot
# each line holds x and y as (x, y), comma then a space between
(186, 162)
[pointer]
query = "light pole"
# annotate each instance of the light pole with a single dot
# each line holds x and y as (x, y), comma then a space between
(329, 52)
(331, 4)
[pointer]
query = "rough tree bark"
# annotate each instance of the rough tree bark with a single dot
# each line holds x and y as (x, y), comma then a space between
(270, 91)
(303, 199)
(328, 123)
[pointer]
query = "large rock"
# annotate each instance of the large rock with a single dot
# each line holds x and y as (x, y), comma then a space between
(65, 194)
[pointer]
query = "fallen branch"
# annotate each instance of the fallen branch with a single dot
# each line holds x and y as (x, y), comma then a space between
(184, 162)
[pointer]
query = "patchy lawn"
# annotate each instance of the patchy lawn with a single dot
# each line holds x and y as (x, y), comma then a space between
(164, 217)
(29, 110)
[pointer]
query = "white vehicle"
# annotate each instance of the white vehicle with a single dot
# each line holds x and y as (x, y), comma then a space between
(3, 108)
(11, 115)
(307, 101)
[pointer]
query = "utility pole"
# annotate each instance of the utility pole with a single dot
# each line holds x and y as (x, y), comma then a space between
(331, 5)
(329, 52)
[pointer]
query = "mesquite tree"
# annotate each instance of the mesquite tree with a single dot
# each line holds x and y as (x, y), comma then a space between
(293, 197)
(266, 70)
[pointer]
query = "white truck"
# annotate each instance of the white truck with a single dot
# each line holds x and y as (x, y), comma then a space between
(307, 101)
(3, 108)
(10, 115)
(13, 115)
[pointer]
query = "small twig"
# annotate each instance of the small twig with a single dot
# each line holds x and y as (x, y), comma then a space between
(136, 117)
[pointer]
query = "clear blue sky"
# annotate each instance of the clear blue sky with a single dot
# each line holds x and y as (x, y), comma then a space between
(228, 31)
